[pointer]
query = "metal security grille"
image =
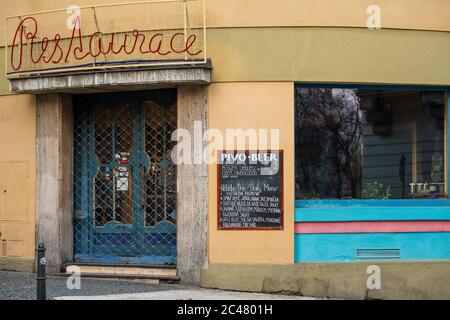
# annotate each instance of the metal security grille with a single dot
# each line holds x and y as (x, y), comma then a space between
(160, 179)
(125, 181)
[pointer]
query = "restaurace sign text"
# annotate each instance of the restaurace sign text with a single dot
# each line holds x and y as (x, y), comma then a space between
(56, 49)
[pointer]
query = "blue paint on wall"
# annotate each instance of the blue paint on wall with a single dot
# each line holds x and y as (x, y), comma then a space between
(371, 203)
(372, 213)
(310, 248)
(118, 260)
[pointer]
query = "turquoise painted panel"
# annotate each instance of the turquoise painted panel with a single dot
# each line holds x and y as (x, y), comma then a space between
(310, 248)
(374, 213)
(371, 203)
(374, 210)
(331, 248)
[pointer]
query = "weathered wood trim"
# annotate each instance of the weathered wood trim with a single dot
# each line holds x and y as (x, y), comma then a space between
(112, 80)
(54, 201)
(192, 193)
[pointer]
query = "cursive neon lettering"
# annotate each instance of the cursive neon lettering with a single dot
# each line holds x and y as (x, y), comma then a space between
(26, 42)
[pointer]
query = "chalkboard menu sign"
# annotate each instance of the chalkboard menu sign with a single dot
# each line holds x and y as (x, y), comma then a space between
(250, 190)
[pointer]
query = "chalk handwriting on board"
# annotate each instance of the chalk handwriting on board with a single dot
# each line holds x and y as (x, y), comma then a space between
(250, 190)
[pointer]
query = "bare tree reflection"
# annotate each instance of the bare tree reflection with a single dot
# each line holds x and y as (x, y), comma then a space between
(329, 125)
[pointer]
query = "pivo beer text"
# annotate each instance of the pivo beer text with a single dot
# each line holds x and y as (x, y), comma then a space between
(28, 42)
(250, 190)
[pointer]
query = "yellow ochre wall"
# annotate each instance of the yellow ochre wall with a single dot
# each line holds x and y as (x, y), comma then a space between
(17, 180)
(253, 106)
(302, 40)
(327, 55)
(397, 14)
(259, 48)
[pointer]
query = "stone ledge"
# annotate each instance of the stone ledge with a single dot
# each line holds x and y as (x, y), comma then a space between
(117, 80)
(399, 280)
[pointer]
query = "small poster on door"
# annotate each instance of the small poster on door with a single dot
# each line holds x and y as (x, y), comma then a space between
(122, 184)
(122, 179)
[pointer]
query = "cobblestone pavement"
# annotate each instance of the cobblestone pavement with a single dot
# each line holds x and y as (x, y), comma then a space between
(22, 286)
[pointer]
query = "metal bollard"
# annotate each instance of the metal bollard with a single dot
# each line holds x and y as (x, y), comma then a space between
(41, 276)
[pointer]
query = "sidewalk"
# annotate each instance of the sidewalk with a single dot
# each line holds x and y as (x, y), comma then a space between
(22, 286)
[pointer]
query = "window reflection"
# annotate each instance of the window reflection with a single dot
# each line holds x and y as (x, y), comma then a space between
(370, 144)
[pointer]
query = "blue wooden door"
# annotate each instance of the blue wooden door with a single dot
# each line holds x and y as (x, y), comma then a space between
(124, 179)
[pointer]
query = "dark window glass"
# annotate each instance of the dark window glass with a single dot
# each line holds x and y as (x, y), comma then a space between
(370, 144)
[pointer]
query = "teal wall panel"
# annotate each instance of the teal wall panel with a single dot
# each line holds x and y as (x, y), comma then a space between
(310, 248)
(372, 213)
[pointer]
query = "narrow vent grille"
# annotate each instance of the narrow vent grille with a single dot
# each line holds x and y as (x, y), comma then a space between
(378, 253)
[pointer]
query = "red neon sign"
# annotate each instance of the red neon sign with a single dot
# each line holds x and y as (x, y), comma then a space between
(47, 50)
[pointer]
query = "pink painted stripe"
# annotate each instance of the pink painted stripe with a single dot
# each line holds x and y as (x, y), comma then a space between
(372, 227)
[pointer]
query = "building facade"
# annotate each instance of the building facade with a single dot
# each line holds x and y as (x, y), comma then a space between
(355, 113)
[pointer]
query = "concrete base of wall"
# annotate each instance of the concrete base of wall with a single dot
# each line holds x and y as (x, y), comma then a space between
(21, 265)
(399, 280)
